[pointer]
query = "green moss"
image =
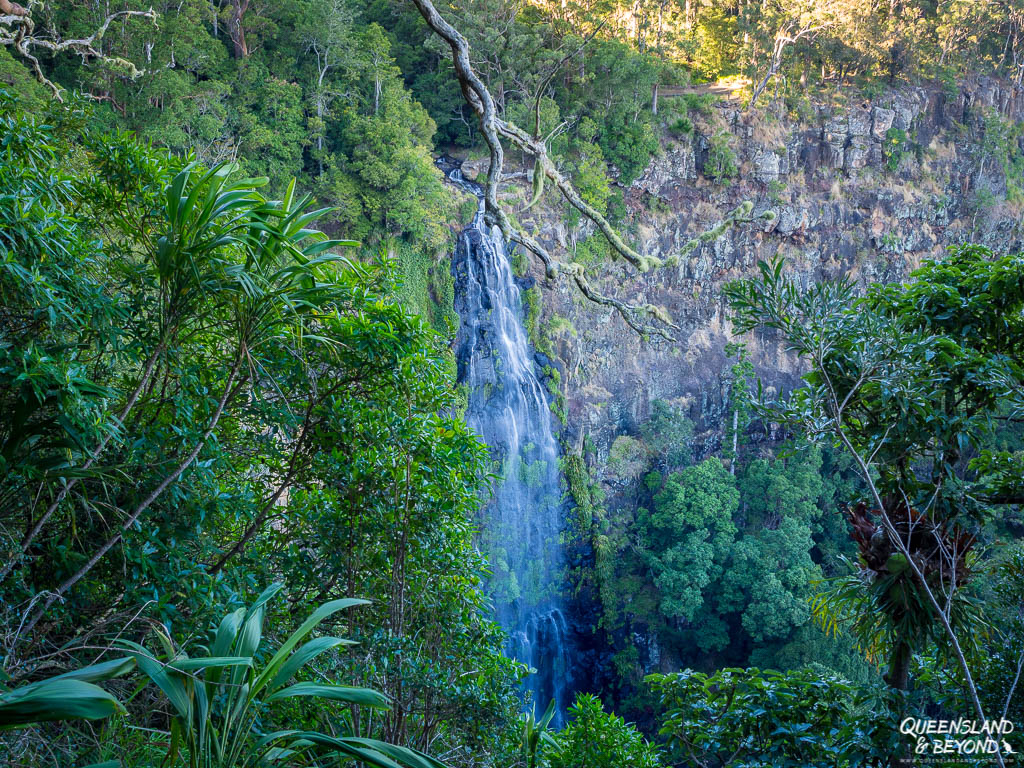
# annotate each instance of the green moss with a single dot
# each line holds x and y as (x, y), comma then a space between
(16, 78)
(426, 285)
(532, 299)
(558, 401)
(532, 472)
(775, 190)
(593, 250)
(520, 263)
(558, 326)
(467, 210)
(574, 469)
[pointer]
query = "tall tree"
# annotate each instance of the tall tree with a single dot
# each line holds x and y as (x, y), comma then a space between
(911, 380)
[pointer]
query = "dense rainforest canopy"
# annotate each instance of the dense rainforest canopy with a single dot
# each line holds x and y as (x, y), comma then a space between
(239, 502)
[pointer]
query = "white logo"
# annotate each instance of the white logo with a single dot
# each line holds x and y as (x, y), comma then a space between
(958, 737)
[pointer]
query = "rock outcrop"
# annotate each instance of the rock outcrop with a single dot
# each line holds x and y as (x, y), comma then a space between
(865, 190)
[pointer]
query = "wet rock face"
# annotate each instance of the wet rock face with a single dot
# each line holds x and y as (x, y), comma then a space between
(847, 200)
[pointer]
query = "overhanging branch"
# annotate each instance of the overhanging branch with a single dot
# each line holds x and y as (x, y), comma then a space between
(17, 30)
(495, 129)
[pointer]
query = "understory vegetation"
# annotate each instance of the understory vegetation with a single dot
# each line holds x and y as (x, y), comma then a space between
(239, 504)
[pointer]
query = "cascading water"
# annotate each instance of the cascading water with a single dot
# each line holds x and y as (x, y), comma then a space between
(508, 408)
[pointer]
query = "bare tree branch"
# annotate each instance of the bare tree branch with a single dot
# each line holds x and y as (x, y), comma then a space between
(495, 129)
(18, 30)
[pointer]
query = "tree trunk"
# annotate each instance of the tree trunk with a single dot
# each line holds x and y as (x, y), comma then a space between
(898, 678)
(7, 8)
(735, 441)
(236, 28)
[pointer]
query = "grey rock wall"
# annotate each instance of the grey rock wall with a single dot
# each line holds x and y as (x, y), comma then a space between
(838, 210)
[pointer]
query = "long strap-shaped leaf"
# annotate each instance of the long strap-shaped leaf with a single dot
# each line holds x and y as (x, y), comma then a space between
(366, 697)
(50, 700)
(278, 659)
(372, 752)
(302, 657)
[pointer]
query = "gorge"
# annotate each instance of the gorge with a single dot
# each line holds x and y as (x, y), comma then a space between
(375, 372)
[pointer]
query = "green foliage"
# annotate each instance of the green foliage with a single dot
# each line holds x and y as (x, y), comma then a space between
(425, 285)
(207, 396)
(741, 378)
(943, 354)
(688, 536)
(141, 326)
(70, 696)
(318, 98)
(894, 148)
(999, 655)
(627, 458)
(593, 738)
(1001, 143)
(536, 736)
(532, 299)
(749, 717)
(717, 44)
(720, 164)
(220, 698)
(930, 338)
(593, 250)
(669, 434)
(681, 126)
(629, 144)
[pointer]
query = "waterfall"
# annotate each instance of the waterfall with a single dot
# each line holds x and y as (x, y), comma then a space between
(508, 408)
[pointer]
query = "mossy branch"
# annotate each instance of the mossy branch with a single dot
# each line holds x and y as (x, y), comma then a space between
(17, 29)
(494, 129)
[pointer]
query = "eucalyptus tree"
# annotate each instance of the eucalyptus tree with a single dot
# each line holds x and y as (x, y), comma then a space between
(19, 32)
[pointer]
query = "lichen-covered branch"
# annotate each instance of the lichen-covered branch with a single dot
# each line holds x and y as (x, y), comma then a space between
(17, 30)
(494, 130)
(632, 314)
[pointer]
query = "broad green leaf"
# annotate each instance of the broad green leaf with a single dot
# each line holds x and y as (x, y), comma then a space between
(49, 700)
(350, 695)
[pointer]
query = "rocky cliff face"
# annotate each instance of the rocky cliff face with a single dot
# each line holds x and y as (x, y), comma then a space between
(865, 189)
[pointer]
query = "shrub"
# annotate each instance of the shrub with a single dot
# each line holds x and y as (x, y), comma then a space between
(721, 162)
(750, 717)
(681, 126)
(219, 700)
(627, 458)
(594, 738)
